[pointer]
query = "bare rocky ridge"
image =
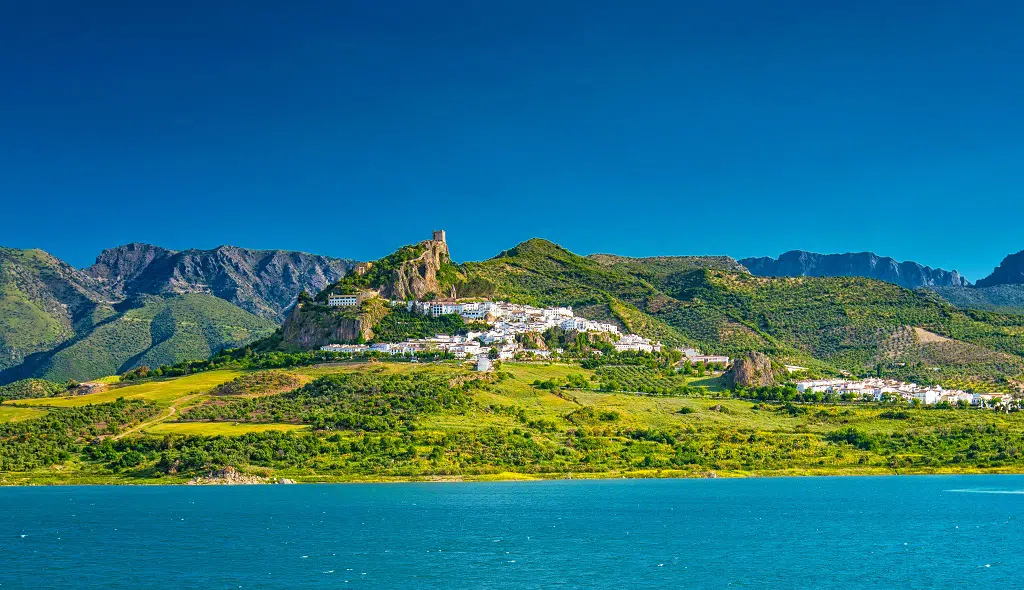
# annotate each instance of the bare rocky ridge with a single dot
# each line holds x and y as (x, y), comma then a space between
(1009, 272)
(263, 282)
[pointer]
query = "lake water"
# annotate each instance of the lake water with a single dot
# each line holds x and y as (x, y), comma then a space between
(849, 532)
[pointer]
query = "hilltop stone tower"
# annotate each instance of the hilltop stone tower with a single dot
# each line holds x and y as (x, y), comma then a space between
(439, 236)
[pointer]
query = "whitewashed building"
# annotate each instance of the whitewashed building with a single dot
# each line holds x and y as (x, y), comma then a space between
(335, 300)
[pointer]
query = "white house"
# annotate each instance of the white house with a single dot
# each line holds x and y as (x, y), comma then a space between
(444, 307)
(710, 359)
(475, 310)
(335, 300)
(633, 342)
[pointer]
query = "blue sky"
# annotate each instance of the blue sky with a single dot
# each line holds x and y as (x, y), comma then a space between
(734, 127)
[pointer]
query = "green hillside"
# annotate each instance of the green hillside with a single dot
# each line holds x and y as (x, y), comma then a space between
(843, 323)
(1000, 298)
(32, 388)
(43, 302)
(151, 331)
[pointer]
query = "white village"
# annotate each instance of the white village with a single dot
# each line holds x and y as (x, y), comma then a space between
(883, 390)
(506, 321)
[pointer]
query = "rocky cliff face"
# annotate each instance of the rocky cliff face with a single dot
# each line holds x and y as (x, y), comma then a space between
(418, 278)
(263, 282)
(118, 269)
(311, 326)
(910, 275)
(1009, 272)
(755, 369)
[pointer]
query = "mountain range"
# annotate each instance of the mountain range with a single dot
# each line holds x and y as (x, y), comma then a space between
(142, 304)
(798, 263)
(1002, 291)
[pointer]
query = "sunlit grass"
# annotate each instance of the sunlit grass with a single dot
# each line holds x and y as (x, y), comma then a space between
(15, 414)
(162, 392)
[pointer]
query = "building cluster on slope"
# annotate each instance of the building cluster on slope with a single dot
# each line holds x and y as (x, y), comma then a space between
(504, 322)
(876, 389)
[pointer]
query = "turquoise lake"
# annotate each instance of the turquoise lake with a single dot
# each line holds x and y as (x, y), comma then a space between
(843, 532)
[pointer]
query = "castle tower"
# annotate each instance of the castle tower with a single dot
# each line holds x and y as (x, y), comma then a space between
(439, 236)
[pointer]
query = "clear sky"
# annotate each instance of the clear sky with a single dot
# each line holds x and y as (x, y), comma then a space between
(737, 127)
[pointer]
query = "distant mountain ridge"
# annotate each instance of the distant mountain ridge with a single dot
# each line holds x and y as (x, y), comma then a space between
(142, 304)
(799, 263)
(1009, 272)
(262, 282)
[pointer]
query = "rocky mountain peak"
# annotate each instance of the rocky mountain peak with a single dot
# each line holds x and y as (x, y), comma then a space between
(264, 282)
(122, 265)
(1009, 272)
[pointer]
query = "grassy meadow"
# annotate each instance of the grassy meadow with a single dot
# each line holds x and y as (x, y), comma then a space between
(162, 392)
(16, 414)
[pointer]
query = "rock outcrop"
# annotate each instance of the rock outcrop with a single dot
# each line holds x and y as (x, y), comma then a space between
(755, 369)
(418, 278)
(312, 325)
(798, 263)
(229, 476)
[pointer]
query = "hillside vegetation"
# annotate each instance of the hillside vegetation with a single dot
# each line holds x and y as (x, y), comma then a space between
(43, 303)
(842, 323)
(152, 331)
(999, 298)
(371, 422)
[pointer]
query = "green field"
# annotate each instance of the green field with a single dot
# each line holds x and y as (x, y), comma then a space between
(13, 414)
(162, 392)
(218, 428)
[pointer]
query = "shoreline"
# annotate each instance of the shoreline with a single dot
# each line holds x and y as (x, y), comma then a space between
(39, 480)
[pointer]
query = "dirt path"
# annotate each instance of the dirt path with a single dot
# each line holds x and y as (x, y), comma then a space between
(170, 411)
